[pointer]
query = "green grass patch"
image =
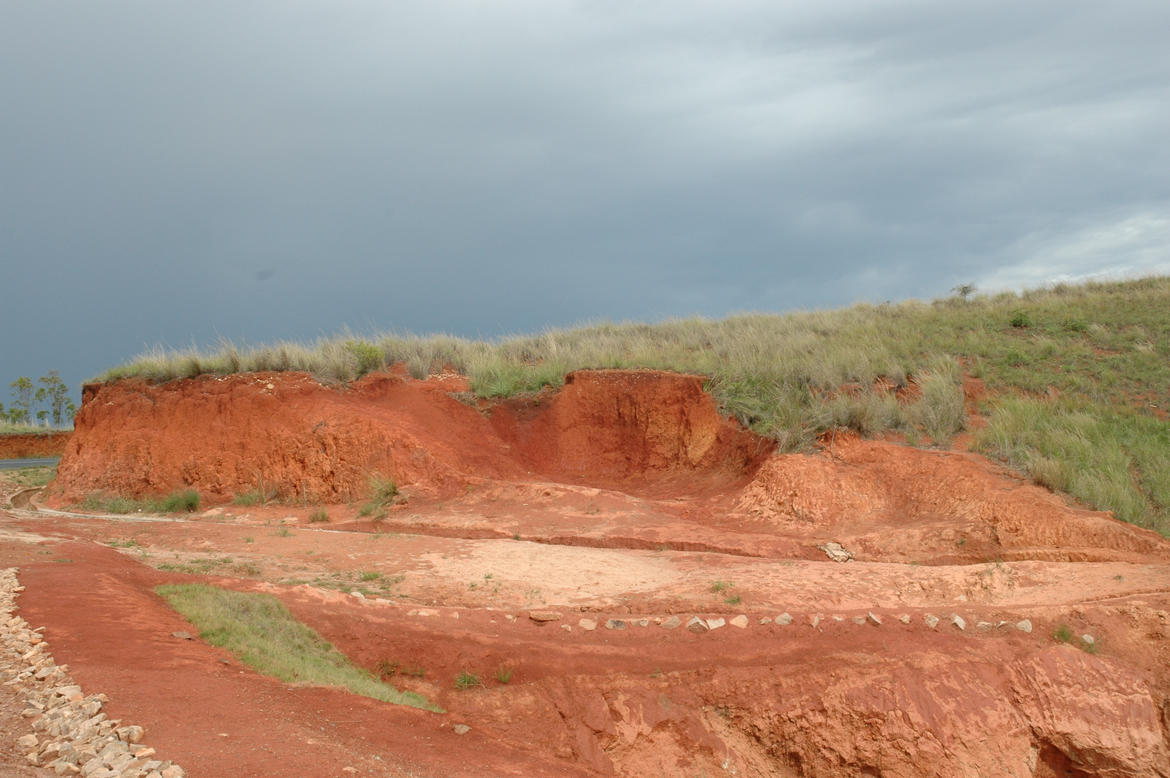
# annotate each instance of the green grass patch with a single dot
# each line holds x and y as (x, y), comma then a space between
(253, 497)
(31, 476)
(1117, 458)
(184, 501)
(259, 629)
(467, 680)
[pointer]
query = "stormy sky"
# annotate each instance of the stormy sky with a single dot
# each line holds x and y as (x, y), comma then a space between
(172, 173)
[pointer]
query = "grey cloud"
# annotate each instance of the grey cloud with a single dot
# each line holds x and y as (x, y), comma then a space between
(488, 168)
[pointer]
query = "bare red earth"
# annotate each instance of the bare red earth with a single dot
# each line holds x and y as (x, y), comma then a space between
(623, 496)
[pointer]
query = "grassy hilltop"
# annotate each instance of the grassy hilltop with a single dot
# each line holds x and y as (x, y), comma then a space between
(1078, 377)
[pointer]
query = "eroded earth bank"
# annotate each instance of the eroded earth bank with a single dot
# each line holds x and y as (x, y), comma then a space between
(641, 586)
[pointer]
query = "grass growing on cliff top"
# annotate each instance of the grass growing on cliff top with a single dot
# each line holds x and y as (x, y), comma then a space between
(1094, 351)
(259, 629)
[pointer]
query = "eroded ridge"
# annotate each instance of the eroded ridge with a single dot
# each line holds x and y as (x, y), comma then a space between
(72, 736)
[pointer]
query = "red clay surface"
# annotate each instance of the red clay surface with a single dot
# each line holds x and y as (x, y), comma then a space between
(626, 497)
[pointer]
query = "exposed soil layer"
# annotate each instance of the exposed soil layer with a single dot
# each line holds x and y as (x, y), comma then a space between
(36, 444)
(287, 433)
(624, 498)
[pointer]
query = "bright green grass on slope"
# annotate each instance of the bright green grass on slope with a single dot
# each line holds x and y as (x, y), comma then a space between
(261, 631)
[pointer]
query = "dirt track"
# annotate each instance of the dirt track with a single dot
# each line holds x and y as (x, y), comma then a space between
(462, 564)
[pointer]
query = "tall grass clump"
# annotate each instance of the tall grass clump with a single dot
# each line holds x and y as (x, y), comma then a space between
(259, 629)
(1114, 460)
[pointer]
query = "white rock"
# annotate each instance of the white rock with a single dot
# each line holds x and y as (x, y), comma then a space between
(740, 621)
(672, 623)
(1089, 639)
(1024, 625)
(836, 552)
(904, 618)
(697, 625)
(784, 619)
(931, 620)
(959, 621)
(716, 622)
(587, 624)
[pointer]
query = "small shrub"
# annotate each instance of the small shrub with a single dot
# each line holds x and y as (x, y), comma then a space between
(369, 357)
(283, 532)
(1020, 320)
(504, 674)
(252, 497)
(733, 600)
(719, 586)
(318, 516)
(383, 493)
(1063, 633)
(370, 575)
(1075, 325)
(466, 680)
(179, 502)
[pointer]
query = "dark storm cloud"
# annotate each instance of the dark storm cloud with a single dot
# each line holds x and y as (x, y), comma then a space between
(175, 173)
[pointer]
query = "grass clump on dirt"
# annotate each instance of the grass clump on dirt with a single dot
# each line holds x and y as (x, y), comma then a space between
(467, 680)
(259, 629)
(1069, 353)
(383, 493)
(184, 501)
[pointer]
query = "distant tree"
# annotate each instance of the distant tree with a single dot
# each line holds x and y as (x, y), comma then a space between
(964, 290)
(22, 394)
(56, 394)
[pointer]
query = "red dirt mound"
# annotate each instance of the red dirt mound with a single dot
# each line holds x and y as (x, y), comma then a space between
(630, 429)
(40, 444)
(288, 433)
(282, 432)
(951, 506)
